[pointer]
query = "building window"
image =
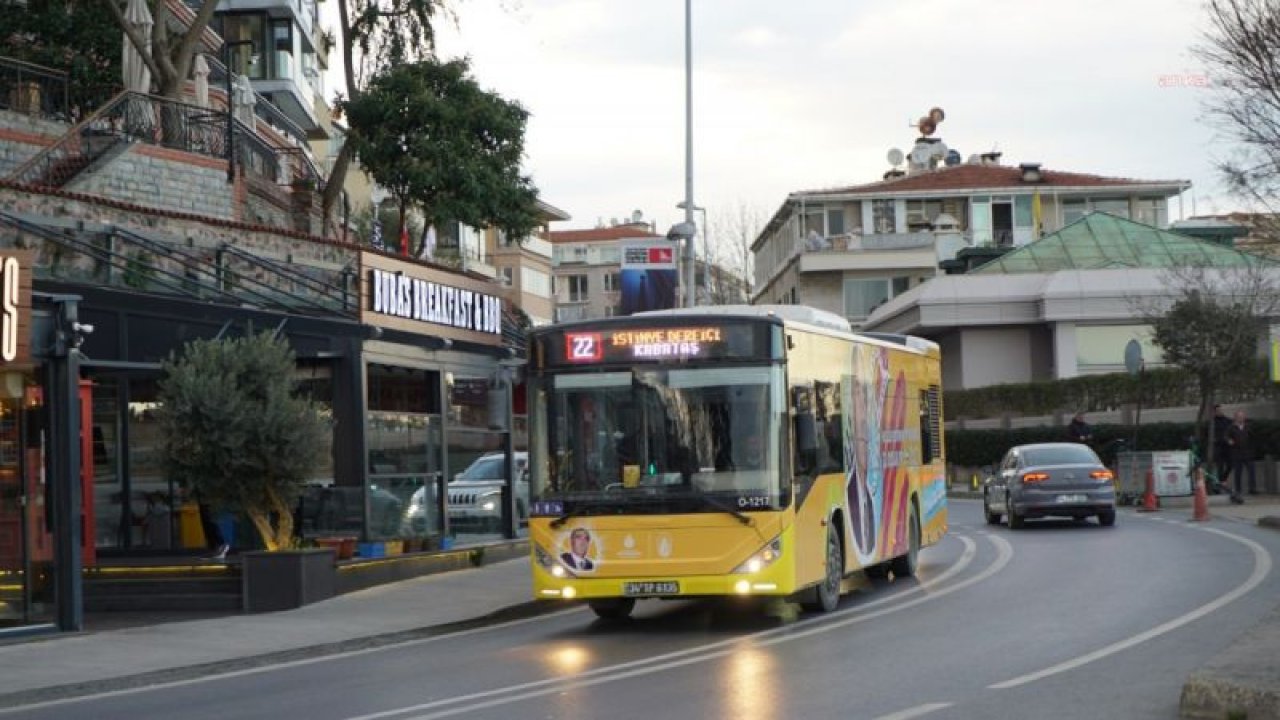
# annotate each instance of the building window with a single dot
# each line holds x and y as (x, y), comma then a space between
(835, 221)
(611, 283)
(508, 276)
(1119, 208)
(282, 50)
(577, 288)
(535, 282)
(1073, 210)
(246, 59)
(863, 295)
(813, 221)
(1152, 211)
(922, 213)
(883, 216)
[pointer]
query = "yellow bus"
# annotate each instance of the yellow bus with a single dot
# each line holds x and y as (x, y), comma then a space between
(729, 451)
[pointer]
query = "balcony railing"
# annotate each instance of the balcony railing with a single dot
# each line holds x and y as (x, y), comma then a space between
(34, 89)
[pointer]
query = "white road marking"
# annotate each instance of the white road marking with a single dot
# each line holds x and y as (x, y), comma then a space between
(269, 668)
(915, 712)
(669, 661)
(1261, 567)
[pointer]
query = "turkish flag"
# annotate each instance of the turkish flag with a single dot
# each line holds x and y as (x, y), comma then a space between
(659, 255)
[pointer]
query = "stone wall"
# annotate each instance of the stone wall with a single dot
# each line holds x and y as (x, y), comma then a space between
(163, 179)
(22, 136)
(185, 230)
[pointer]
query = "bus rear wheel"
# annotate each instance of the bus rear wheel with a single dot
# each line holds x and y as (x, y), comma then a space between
(613, 609)
(905, 565)
(827, 595)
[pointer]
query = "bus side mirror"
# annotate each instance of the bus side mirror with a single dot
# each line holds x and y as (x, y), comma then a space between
(806, 427)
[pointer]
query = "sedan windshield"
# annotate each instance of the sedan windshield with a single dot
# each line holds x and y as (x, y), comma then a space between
(649, 435)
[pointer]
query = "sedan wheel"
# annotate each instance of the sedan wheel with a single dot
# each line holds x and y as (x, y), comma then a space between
(1015, 520)
(1107, 518)
(993, 518)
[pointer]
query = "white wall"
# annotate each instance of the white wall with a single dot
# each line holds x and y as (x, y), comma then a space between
(994, 356)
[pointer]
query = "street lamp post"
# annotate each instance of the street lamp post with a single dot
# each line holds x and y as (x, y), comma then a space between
(706, 247)
(688, 151)
(231, 120)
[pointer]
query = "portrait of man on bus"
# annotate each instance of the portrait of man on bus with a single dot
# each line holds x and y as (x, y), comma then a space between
(579, 547)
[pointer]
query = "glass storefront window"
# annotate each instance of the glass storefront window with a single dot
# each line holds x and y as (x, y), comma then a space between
(108, 509)
(404, 474)
(475, 403)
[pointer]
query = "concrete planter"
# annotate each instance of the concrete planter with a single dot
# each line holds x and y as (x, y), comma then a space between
(287, 579)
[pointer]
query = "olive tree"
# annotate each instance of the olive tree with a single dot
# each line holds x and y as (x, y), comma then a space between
(236, 431)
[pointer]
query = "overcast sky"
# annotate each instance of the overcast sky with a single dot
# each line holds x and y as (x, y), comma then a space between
(813, 93)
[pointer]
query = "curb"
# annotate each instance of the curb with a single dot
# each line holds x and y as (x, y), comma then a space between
(529, 609)
(1206, 696)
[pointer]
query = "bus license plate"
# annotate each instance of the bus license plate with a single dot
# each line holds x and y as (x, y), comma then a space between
(655, 587)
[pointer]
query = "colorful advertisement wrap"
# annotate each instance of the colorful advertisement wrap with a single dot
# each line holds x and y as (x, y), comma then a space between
(649, 278)
(876, 455)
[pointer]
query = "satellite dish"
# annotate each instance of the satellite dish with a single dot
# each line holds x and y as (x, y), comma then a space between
(921, 154)
(926, 125)
(975, 159)
(937, 115)
(939, 149)
(953, 158)
(895, 157)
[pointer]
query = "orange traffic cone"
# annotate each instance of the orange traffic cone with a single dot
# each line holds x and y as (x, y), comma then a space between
(1149, 502)
(1200, 505)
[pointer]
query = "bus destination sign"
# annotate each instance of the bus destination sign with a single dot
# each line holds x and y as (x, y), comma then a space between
(647, 344)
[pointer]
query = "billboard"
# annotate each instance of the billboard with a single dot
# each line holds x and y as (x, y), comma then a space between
(649, 276)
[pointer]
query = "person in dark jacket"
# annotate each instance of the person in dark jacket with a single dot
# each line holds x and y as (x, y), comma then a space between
(1078, 430)
(1241, 451)
(1221, 450)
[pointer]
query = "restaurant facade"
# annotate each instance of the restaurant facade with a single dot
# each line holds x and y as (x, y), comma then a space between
(414, 365)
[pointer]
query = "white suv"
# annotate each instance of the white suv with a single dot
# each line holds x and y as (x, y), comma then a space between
(475, 496)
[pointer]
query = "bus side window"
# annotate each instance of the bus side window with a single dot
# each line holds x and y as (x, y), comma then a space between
(805, 427)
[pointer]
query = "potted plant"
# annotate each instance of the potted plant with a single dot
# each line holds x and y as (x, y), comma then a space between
(238, 435)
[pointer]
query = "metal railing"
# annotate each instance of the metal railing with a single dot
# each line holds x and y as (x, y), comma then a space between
(34, 89)
(122, 258)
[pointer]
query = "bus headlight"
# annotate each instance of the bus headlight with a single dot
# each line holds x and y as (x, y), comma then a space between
(549, 563)
(763, 558)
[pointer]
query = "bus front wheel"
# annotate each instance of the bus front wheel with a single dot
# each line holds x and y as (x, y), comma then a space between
(613, 609)
(827, 595)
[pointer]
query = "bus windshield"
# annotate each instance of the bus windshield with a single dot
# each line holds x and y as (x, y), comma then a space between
(659, 439)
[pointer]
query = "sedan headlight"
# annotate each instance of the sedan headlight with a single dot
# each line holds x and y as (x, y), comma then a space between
(763, 558)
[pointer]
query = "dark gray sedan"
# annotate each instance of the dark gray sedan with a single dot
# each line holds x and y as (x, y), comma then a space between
(1050, 480)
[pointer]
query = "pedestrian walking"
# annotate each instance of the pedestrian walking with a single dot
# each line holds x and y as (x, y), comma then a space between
(1241, 451)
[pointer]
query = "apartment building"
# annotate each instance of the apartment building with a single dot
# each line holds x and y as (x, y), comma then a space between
(850, 249)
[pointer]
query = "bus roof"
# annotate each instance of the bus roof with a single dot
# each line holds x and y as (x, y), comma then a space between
(787, 313)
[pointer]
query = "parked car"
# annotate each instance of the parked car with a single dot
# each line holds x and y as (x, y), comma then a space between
(475, 494)
(1050, 480)
(325, 507)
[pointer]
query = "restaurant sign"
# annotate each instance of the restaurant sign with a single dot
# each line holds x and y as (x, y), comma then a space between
(410, 297)
(15, 308)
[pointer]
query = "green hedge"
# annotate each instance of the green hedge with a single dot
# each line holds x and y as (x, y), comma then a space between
(976, 448)
(1161, 387)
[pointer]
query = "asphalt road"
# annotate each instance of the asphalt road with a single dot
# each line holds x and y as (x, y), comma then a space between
(1059, 620)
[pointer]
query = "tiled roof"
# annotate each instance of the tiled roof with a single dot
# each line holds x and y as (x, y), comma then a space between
(617, 232)
(1101, 241)
(986, 177)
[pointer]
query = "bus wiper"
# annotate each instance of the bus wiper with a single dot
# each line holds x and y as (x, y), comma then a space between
(740, 517)
(580, 510)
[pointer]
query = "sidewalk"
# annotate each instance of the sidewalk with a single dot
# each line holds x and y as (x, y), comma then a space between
(58, 666)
